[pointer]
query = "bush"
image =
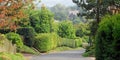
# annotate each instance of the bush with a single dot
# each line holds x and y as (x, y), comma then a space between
(108, 38)
(90, 51)
(46, 41)
(4, 31)
(28, 34)
(85, 39)
(66, 30)
(9, 56)
(41, 20)
(15, 38)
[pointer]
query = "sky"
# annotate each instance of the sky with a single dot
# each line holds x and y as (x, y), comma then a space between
(51, 3)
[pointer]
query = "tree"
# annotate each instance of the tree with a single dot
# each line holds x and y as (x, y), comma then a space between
(107, 38)
(41, 20)
(11, 12)
(90, 7)
(96, 9)
(60, 12)
(66, 30)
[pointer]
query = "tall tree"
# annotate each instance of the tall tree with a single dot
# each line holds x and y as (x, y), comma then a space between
(66, 29)
(11, 12)
(41, 20)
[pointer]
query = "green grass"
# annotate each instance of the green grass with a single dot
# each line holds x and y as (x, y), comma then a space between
(64, 48)
(30, 50)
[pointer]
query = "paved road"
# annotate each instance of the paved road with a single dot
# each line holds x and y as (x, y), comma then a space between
(66, 55)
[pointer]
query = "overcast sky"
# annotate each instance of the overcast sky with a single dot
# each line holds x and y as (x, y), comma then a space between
(51, 3)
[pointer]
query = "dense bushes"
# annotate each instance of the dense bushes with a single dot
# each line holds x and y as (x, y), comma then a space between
(8, 56)
(66, 30)
(108, 38)
(4, 31)
(83, 31)
(28, 34)
(45, 42)
(41, 20)
(15, 38)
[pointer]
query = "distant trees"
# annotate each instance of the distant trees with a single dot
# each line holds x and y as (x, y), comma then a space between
(62, 12)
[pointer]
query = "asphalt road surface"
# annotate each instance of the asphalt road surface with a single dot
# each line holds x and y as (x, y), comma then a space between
(65, 55)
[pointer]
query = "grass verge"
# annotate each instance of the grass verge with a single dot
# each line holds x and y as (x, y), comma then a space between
(64, 48)
(30, 50)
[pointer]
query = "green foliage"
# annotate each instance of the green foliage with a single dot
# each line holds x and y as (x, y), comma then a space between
(73, 43)
(66, 29)
(28, 34)
(82, 29)
(9, 56)
(85, 39)
(4, 31)
(41, 20)
(90, 51)
(46, 41)
(24, 22)
(107, 39)
(78, 42)
(15, 38)
(26, 49)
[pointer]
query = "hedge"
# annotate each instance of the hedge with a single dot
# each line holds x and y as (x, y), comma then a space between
(108, 38)
(45, 41)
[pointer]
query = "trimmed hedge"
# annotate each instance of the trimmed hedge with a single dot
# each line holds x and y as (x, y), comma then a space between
(73, 43)
(28, 34)
(108, 38)
(46, 41)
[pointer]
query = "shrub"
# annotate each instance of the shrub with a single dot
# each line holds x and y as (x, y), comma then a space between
(4, 31)
(108, 38)
(9, 56)
(66, 30)
(15, 38)
(28, 34)
(85, 39)
(41, 20)
(90, 51)
(82, 29)
(45, 42)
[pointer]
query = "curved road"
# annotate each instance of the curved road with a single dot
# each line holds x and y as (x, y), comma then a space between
(66, 55)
